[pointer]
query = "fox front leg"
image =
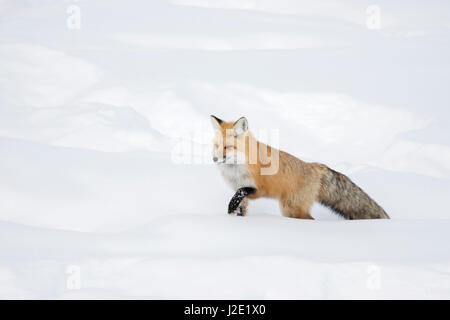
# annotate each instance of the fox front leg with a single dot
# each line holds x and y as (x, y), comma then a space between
(237, 201)
(242, 209)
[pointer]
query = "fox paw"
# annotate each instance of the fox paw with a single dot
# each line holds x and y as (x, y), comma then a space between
(235, 211)
(233, 206)
(240, 211)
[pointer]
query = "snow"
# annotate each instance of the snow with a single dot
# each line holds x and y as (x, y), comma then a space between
(107, 185)
(161, 231)
(202, 256)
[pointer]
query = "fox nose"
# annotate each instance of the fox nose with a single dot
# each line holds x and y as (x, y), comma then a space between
(215, 159)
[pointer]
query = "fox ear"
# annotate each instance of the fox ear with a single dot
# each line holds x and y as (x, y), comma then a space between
(216, 122)
(240, 126)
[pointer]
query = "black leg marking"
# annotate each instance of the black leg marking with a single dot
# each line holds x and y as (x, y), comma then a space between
(240, 194)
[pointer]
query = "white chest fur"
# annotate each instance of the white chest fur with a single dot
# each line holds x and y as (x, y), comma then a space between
(236, 175)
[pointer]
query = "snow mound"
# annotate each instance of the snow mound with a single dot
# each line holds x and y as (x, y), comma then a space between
(220, 256)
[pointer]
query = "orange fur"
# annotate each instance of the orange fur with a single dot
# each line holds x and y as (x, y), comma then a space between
(296, 184)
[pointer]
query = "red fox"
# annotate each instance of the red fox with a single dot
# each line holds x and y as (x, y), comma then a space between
(246, 165)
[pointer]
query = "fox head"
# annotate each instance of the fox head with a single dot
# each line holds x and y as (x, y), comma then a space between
(229, 141)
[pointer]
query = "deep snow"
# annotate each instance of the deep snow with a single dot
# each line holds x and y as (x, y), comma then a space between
(219, 256)
(135, 230)
(107, 189)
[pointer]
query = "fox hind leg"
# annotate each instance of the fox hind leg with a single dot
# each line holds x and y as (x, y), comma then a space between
(299, 213)
(296, 209)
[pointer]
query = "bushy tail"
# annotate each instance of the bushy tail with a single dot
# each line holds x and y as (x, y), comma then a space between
(344, 197)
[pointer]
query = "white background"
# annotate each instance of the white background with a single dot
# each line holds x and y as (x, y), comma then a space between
(97, 98)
